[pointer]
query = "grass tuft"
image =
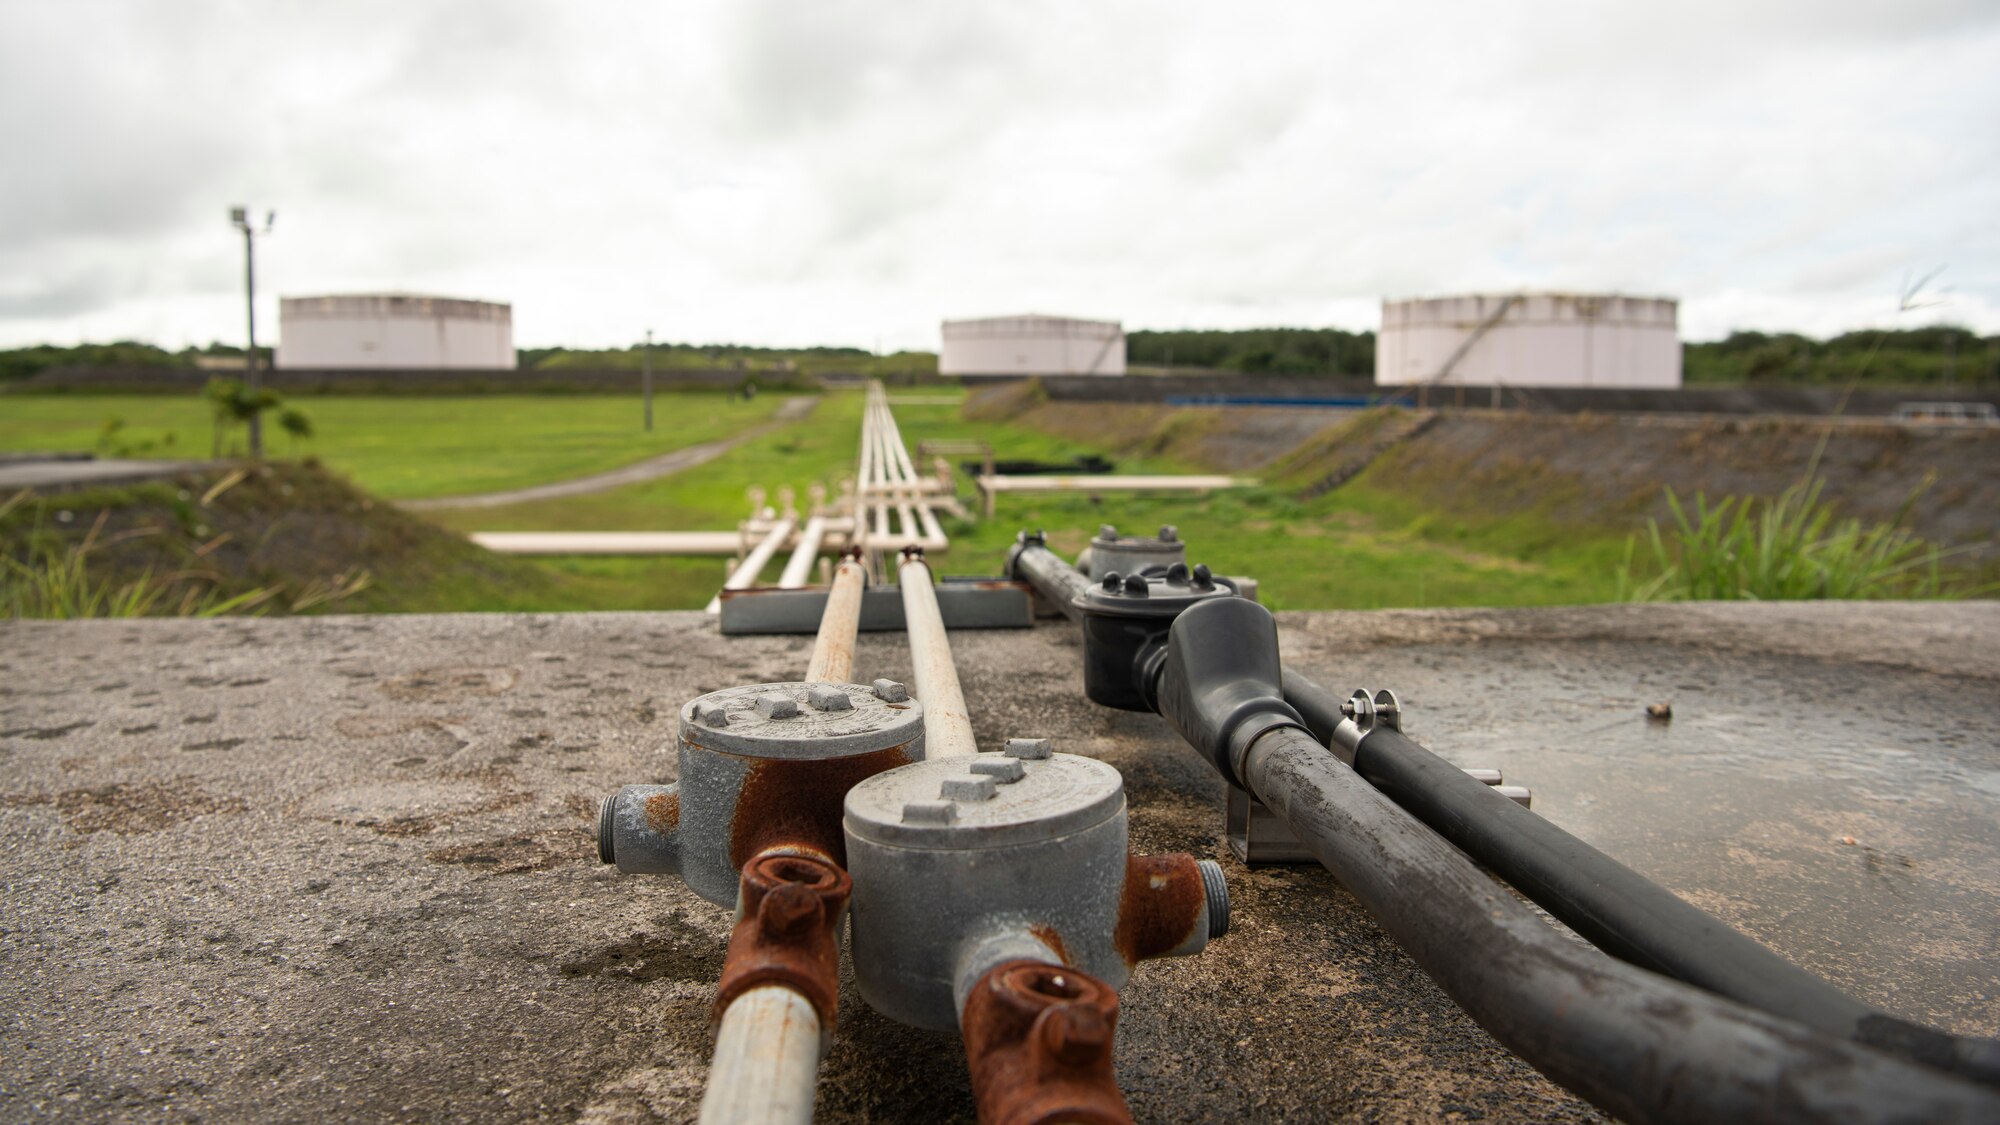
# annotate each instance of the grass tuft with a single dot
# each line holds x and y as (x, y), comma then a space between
(1788, 547)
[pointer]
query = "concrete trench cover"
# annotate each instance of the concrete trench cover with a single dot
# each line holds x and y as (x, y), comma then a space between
(342, 868)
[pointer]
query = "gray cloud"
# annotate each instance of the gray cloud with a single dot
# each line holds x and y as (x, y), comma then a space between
(846, 171)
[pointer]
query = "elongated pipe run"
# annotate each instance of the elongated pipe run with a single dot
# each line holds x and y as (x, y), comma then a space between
(1055, 580)
(745, 576)
(933, 677)
(833, 650)
(1617, 909)
(798, 568)
(766, 1064)
(1640, 1046)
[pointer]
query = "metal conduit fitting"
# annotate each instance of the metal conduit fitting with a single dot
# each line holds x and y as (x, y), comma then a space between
(1131, 554)
(1038, 1041)
(762, 767)
(789, 910)
(962, 864)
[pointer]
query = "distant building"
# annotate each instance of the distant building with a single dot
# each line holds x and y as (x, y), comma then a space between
(1530, 340)
(394, 330)
(1032, 345)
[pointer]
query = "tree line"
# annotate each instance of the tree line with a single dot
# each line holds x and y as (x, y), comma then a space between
(1943, 355)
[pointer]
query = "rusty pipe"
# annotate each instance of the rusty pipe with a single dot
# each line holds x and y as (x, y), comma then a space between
(776, 1002)
(1038, 1041)
(933, 676)
(833, 650)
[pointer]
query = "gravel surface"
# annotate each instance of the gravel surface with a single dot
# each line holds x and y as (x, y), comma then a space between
(342, 869)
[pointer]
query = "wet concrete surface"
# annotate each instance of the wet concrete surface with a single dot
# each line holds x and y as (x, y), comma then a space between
(341, 868)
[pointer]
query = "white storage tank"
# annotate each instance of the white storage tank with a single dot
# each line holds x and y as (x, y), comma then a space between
(1032, 344)
(1530, 340)
(400, 330)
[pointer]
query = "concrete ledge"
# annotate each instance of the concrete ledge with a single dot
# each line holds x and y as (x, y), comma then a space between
(341, 868)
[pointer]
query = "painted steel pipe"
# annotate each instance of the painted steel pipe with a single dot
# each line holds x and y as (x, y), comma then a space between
(833, 649)
(745, 576)
(1059, 583)
(798, 568)
(1639, 1046)
(766, 1065)
(933, 676)
(1620, 911)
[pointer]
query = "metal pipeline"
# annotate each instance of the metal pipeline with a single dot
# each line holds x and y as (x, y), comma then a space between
(798, 568)
(745, 576)
(933, 676)
(1617, 909)
(833, 650)
(1031, 561)
(1640, 1046)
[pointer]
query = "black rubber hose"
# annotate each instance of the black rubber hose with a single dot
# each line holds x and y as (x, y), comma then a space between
(1637, 1045)
(1617, 909)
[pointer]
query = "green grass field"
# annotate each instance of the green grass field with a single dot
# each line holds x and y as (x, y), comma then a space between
(1363, 546)
(1369, 544)
(403, 447)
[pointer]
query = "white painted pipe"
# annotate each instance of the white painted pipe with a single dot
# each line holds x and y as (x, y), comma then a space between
(933, 677)
(798, 568)
(745, 576)
(766, 1060)
(833, 649)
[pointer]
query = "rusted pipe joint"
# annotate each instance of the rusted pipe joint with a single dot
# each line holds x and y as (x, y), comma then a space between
(1038, 1043)
(762, 767)
(789, 910)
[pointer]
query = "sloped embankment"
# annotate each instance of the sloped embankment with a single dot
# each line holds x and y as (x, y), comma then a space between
(1613, 469)
(286, 537)
(1233, 439)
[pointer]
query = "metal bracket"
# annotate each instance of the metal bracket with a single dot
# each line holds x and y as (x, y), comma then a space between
(1256, 835)
(1360, 714)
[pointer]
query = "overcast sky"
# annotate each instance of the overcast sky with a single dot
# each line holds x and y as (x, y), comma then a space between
(831, 172)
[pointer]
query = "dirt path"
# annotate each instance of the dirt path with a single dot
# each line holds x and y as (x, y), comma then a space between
(653, 468)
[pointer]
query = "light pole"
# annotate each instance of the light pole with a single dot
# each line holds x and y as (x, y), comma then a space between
(646, 377)
(253, 383)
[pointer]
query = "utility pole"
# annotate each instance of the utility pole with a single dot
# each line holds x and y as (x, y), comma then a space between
(253, 383)
(646, 377)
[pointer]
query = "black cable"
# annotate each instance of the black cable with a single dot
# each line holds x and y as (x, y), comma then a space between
(1615, 908)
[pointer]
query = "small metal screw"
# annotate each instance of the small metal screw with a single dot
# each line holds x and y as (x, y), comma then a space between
(1203, 577)
(826, 697)
(1169, 533)
(711, 715)
(772, 705)
(1030, 749)
(889, 691)
(1106, 531)
(1136, 586)
(1112, 581)
(1177, 574)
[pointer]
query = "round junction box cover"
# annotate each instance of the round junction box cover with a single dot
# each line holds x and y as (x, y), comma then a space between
(985, 800)
(803, 720)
